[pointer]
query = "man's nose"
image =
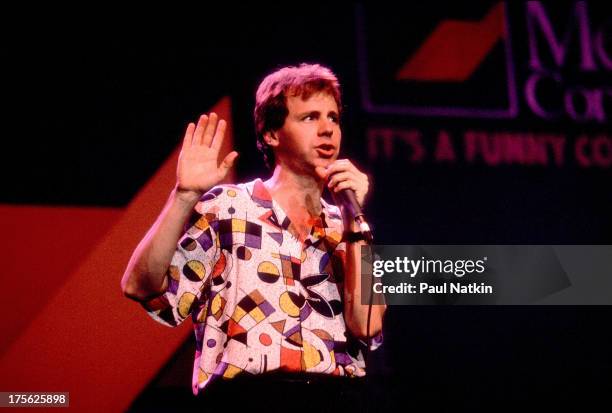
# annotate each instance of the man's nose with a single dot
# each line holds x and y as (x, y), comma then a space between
(326, 128)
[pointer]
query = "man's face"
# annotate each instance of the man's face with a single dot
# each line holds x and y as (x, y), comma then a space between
(310, 136)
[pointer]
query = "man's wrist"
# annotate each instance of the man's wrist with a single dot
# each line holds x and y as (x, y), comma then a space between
(187, 197)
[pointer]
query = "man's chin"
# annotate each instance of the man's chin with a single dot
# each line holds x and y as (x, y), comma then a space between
(324, 162)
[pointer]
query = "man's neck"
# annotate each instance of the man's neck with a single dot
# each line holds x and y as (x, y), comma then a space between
(297, 193)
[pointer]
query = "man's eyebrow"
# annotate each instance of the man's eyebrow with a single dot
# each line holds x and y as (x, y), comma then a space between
(317, 112)
(309, 112)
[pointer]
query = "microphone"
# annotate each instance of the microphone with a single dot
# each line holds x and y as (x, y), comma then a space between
(348, 200)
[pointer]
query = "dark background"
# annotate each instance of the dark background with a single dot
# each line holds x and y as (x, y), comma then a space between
(96, 102)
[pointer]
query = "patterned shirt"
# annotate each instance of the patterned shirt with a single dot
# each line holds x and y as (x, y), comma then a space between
(259, 298)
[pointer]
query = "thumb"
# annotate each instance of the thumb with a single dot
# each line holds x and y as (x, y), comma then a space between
(322, 172)
(228, 161)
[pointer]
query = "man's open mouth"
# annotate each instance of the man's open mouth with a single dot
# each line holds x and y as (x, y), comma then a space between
(326, 151)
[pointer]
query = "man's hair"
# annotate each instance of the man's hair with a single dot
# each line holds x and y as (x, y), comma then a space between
(271, 109)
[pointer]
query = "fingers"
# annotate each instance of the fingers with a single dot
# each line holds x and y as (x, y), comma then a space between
(339, 177)
(209, 131)
(188, 135)
(360, 187)
(349, 184)
(345, 180)
(344, 175)
(341, 170)
(209, 128)
(340, 165)
(199, 130)
(219, 134)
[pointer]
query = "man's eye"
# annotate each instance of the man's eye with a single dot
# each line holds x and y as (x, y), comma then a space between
(334, 119)
(308, 117)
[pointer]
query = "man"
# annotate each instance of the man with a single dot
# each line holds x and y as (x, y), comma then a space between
(261, 267)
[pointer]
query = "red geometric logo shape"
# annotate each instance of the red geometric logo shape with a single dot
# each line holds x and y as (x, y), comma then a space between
(462, 68)
(455, 49)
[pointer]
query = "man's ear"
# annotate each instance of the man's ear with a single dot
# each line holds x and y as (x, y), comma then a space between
(271, 138)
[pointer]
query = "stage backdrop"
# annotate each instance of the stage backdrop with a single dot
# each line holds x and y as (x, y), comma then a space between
(479, 123)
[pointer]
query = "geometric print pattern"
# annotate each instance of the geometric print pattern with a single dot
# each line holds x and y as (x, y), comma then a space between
(259, 299)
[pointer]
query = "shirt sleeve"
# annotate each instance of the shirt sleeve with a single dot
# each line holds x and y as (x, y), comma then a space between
(192, 265)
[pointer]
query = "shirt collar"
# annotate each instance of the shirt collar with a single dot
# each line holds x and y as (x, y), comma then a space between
(327, 227)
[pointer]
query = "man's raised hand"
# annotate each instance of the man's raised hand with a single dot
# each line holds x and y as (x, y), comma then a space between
(198, 167)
